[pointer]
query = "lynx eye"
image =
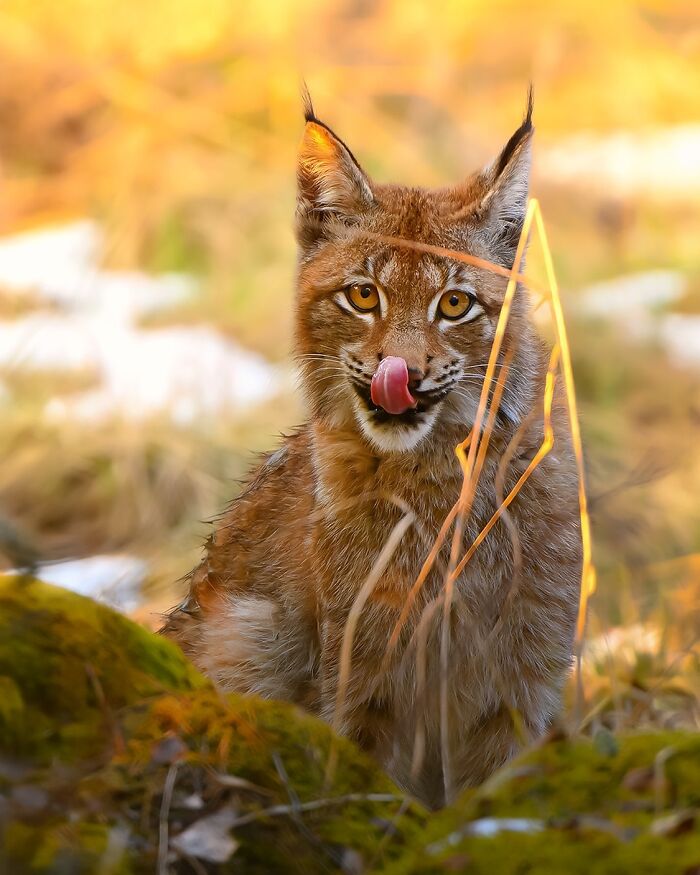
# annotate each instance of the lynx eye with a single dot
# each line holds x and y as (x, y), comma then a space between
(363, 296)
(454, 304)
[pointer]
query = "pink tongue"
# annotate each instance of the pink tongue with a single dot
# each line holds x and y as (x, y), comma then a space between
(390, 386)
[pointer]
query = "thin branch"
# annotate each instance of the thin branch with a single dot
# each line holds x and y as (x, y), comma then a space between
(314, 805)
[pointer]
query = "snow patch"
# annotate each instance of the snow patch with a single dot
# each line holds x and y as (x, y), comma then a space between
(662, 163)
(114, 579)
(638, 304)
(185, 372)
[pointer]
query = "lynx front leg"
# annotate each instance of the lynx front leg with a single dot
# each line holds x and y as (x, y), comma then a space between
(353, 698)
(493, 741)
(526, 682)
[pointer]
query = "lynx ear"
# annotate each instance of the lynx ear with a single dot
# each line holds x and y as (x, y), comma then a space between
(331, 184)
(505, 185)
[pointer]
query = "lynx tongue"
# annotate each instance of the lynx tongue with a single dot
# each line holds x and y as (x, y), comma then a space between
(390, 386)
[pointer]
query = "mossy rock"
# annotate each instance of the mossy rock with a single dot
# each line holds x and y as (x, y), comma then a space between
(606, 806)
(66, 663)
(102, 768)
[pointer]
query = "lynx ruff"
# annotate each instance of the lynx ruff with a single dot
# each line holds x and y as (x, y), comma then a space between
(392, 344)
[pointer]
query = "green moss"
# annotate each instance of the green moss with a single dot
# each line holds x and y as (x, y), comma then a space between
(71, 664)
(584, 852)
(282, 752)
(11, 710)
(585, 807)
(79, 849)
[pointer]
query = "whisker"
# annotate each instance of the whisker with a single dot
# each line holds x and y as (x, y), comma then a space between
(315, 355)
(335, 368)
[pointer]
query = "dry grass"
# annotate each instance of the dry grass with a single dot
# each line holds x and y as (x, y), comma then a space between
(146, 488)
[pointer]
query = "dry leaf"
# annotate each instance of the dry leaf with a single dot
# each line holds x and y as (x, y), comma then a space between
(208, 838)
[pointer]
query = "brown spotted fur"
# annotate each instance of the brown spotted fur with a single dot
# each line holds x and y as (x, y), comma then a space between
(267, 606)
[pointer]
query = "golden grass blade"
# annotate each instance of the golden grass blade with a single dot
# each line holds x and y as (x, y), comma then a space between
(421, 639)
(545, 447)
(422, 576)
(474, 260)
(588, 577)
(468, 489)
(345, 667)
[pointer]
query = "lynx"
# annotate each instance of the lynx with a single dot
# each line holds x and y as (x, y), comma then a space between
(392, 343)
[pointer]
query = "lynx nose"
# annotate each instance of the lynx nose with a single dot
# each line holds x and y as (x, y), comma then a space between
(415, 378)
(416, 373)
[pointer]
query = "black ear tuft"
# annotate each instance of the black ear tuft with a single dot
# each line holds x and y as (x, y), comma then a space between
(309, 114)
(530, 104)
(505, 186)
(517, 138)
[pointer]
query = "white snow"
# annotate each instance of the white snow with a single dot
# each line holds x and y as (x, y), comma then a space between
(182, 371)
(492, 826)
(621, 642)
(91, 324)
(114, 579)
(634, 302)
(634, 292)
(639, 305)
(680, 335)
(661, 163)
(487, 827)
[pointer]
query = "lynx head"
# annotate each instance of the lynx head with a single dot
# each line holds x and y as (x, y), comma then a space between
(391, 338)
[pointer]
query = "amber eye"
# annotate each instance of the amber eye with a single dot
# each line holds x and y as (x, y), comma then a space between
(363, 296)
(454, 304)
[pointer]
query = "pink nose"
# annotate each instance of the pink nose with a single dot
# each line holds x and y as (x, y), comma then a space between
(389, 388)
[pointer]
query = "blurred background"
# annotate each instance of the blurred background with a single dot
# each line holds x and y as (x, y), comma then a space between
(147, 171)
